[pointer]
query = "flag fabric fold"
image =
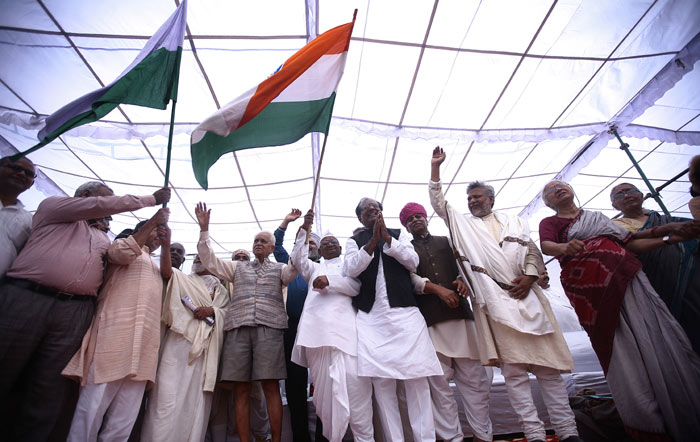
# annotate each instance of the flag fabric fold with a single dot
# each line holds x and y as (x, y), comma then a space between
(297, 99)
(151, 80)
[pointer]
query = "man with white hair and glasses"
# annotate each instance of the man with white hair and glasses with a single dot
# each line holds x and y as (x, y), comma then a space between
(253, 346)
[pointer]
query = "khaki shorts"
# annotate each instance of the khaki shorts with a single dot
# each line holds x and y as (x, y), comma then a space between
(252, 354)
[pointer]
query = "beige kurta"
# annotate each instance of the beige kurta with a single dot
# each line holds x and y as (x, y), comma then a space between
(124, 336)
(499, 343)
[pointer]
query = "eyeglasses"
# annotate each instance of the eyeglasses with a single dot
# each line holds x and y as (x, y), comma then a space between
(241, 257)
(328, 242)
(555, 187)
(370, 204)
(17, 168)
(622, 193)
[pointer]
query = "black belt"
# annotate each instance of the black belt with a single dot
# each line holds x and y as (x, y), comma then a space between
(46, 290)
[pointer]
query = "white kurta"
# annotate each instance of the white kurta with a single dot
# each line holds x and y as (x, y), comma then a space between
(391, 342)
(326, 342)
(180, 404)
(328, 318)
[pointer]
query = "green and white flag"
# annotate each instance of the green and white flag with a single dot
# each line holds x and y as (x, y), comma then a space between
(150, 81)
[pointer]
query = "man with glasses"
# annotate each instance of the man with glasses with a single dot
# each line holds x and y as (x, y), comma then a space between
(15, 222)
(47, 300)
(392, 338)
(327, 341)
(222, 421)
(253, 348)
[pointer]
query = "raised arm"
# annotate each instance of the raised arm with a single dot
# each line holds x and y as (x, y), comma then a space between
(125, 251)
(223, 269)
(166, 265)
(300, 256)
(67, 209)
(280, 253)
(437, 198)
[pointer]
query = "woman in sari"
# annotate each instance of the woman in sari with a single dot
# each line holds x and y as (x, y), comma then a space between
(650, 367)
(671, 270)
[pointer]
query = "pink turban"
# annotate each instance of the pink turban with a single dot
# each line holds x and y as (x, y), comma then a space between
(409, 210)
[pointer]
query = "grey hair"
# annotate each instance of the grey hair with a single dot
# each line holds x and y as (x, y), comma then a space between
(544, 195)
(490, 192)
(91, 187)
(270, 236)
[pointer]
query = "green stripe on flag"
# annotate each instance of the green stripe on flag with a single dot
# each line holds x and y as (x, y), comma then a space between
(278, 124)
(151, 83)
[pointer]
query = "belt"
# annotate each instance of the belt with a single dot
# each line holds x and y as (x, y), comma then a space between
(46, 290)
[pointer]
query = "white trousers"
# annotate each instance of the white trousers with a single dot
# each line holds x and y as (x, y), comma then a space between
(555, 397)
(420, 411)
(109, 409)
(473, 382)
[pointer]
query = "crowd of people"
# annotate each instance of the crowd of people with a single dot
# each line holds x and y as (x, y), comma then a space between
(102, 343)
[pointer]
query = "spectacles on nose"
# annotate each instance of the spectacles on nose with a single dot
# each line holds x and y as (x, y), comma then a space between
(555, 187)
(370, 205)
(17, 168)
(326, 243)
(622, 193)
(241, 257)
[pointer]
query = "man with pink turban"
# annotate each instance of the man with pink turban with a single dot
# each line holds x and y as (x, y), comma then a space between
(441, 299)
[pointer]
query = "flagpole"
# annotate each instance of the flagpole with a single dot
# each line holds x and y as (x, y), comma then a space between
(318, 177)
(170, 148)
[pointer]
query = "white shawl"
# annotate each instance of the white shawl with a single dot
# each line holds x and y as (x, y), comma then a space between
(487, 264)
(205, 338)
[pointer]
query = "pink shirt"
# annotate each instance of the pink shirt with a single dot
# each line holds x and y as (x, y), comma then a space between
(63, 251)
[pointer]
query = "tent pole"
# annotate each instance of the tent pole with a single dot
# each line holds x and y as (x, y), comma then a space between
(318, 176)
(653, 192)
(170, 148)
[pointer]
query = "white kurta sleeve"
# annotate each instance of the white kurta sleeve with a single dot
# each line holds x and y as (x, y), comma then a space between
(418, 283)
(403, 251)
(437, 198)
(343, 285)
(356, 259)
(223, 269)
(300, 257)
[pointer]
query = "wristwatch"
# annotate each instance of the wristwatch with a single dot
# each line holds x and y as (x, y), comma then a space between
(667, 239)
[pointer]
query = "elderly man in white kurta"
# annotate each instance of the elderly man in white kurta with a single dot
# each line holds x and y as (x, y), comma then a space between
(326, 340)
(392, 338)
(516, 326)
(180, 403)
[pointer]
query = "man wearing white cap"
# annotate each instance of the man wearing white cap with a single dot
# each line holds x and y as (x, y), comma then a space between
(297, 376)
(327, 341)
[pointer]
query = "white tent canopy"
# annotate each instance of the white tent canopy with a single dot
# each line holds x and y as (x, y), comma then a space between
(517, 93)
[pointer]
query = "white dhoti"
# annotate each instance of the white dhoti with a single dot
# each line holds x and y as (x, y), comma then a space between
(178, 408)
(109, 409)
(341, 397)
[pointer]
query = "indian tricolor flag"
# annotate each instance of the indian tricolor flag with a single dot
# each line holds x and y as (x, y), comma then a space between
(295, 100)
(150, 81)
